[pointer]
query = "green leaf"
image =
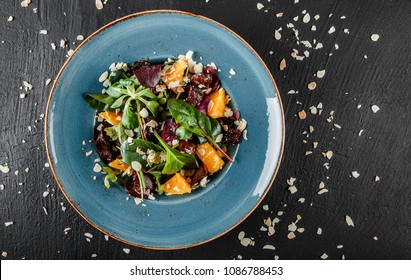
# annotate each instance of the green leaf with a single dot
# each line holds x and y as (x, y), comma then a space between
(118, 103)
(175, 160)
(159, 177)
(145, 92)
(112, 132)
(129, 151)
(192, 119)
(111, 175)
(153, 106)
(183, 133)
(116, 91)
(129, 118)
(99, 102)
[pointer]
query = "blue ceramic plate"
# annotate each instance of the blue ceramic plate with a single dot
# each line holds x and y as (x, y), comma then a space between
(172, 221)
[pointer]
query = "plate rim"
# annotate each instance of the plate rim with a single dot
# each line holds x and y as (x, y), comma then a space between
(112, 23)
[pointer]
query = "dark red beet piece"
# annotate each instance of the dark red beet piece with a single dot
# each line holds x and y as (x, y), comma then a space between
(204, 104)
(200, 174)
(103, 146)
(195, 96)
(215, 81)
(169, 131)
(132, 186)
(201, 81)
(232, 136)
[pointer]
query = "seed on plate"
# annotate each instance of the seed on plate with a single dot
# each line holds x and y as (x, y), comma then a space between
(25, 3)
(103, 76)
(337, 126)
(4, 254)
(260, 6)
(126, 250)
(8, 223)
(319, 231)
(277, 34)
(312, 85)
(302, 115)
(375, 37)
(4, 169)
(331, 30)
(291, 235)
(306, 18)
(375, 238)
(43, 32)
(329, 154)
(322, 191)
(376, 179)
(324, 256)
(80, 38)
(349, 221)
(321, 185)
(292, 189)
(283, 64)
(340, 246)
(300, 230)
(232, 72)
(10, 18)
(279, 15)
(89, 235)
(245, 241)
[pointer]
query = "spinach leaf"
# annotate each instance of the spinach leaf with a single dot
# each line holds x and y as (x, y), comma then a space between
(192, 119)
(129, 118)
(100, 102)
(175, 160)
(183, 133)
(129, 151)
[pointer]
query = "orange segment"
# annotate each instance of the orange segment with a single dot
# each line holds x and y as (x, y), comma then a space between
(218, 101)
(118, 164)
(176, 185)
(111, 117)
(209, 156)
(174, 76)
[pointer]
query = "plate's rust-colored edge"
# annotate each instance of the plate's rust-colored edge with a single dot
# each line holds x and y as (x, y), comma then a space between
(137, 15)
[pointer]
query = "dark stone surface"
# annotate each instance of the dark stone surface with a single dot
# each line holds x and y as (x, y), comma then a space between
(381, 209)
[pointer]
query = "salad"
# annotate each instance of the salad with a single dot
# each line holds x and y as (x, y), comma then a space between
(163, 128)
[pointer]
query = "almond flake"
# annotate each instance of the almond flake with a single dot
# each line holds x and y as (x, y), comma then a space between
(329, 154)
(277, 34)
(306, 18)
(322, 191)
(375, 37)
(302, 115)
(349, 221)
(320, 74)
(312, 85)
(99, 4)
(245, 241)
(103, 77)
(292, 189)
(97, 168)
(355, 174)
(291, 235)
(283, 64)
(268, 247)
(375, 108)
(241, 235)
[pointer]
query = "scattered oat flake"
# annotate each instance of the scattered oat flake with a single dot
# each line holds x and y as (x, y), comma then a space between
(283, 64)
(322, 191)
(312, 85)
(10, 18)
(329, 154)
(45, 210)
(43, 32)
(48, 81)
(126, 250)
(265, 207)
(306, 18)
(376, 179)
(8, 223)
(331, 30)
(277, 34)
(279, 15)
(375, 238)
(324, 256)
(349, 221)
(232, 72)
(4, 254)
(89, 235)
(375, 108)
(375, 37)
(319, 231)
(260, 6)
(355, 174)
(94, 255)
(292, 189)
(80, 38)
(99, 4)
(97, 167)
(337, 126)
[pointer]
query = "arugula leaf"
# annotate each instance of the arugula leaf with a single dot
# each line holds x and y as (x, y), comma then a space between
(175, 160)
(129, 151)
(129, 118)
(100, 102)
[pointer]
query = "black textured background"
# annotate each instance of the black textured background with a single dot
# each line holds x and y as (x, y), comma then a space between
(379, 209)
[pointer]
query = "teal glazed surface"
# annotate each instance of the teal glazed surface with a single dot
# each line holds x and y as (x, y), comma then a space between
(172, 221)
